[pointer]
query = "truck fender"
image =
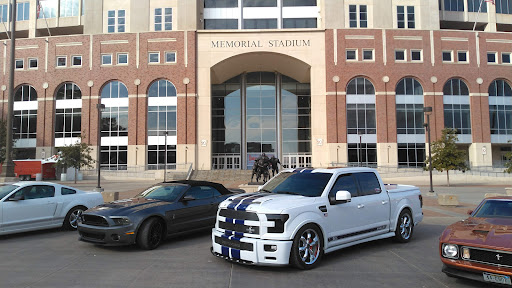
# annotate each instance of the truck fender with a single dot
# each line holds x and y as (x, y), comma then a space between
(400, 206)
(306, 218)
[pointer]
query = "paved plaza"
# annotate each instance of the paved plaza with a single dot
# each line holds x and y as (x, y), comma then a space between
(55, 258)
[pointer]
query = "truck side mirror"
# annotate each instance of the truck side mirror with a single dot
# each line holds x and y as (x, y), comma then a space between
(343, 197)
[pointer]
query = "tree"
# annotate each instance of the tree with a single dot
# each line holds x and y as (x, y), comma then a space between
(508, 164)
(76, 156)
(446, 156)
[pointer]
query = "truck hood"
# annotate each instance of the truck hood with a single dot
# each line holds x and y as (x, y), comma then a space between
(480, 232)
(267, 202)
(126, 206)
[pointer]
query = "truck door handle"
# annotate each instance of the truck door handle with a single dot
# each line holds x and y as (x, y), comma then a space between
(384, 202)
(360, 206)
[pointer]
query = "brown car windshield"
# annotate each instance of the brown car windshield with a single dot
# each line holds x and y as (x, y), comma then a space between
(495, 209)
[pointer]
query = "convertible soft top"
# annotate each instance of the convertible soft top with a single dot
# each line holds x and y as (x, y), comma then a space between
(223, 190)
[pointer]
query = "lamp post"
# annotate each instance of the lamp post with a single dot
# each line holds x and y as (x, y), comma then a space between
(427, 111)
(359, 151)
(101, 108)
(336, 79)
(8, 169)
(186, 81)
(165, 149)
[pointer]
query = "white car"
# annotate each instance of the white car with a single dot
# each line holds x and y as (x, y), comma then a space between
(27, 206)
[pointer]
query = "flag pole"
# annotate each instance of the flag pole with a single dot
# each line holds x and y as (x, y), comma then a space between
(44, 17)
(478, 14)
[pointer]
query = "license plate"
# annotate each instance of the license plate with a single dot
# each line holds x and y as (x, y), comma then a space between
(494, 278)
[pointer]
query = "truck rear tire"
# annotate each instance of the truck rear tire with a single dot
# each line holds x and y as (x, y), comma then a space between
(307, 249)
(404, 227)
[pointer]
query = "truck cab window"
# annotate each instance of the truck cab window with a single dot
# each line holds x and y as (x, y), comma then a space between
(368, 183)
(344, 183)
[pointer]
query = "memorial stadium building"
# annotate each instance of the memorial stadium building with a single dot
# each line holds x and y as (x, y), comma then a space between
(213, 84)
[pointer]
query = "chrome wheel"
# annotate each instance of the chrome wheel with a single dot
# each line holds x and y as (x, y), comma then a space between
(405, 226)
(73, 217)
(309, 246)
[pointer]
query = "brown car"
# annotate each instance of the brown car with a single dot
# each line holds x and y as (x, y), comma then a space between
(480, 247)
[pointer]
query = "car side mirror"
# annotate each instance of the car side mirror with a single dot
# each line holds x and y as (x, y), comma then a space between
(470, 212)
(188, 198)
(260, 187)
(17, 197)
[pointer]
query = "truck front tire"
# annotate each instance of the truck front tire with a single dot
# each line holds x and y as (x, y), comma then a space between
(404, 227)
(308, 247)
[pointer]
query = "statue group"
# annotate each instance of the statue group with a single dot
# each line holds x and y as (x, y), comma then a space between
(262, 165)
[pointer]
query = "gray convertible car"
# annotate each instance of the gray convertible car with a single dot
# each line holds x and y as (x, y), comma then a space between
(165, 209)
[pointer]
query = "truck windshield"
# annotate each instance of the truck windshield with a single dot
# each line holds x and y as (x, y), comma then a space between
(305, 184)
(4, 190)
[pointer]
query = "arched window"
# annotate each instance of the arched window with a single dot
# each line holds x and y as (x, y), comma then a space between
(361, 122)
(409, 123)
(68, 91)
(457, 112)
(162, 121)
(500, 110)
(114, 124)
(68, 114)
(25, 115)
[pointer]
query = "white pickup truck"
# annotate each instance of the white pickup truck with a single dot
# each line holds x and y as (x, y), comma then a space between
(301, 214)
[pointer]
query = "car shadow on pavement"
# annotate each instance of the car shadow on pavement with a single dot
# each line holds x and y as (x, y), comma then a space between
(45, 232)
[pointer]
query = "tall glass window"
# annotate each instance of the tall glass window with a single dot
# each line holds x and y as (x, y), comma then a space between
(405, 17)
(457, 106)
(163, 19)
(299, 23)
(260, 23)
(220, 3)
(275, 110)
(23, 11)
(361, 122)
(358, 16)
(69, 8)
(114, 124)
(211, 24)
(504, 6)
(47, 9)
(409, 107)
(25, 115)
(68, 113)
(411, 155)
(116, 21)
(162, 123)
(454, 5)
(500, 108)
(474, 6)
(259, 3)
(293, 3)
(4, 13)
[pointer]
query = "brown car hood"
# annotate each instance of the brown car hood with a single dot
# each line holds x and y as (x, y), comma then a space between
(483, 232)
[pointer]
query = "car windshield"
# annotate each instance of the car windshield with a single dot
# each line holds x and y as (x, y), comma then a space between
(164, 192)
(495, 209)
(6, 189)
(295, 183)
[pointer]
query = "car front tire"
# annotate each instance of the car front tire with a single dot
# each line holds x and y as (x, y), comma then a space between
(151, 234)
(307, 248)
(404, 227)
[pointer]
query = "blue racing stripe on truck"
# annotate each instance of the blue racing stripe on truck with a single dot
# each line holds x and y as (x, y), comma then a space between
(239, 234)
(225, 251)
(240, 222)
(235, 253)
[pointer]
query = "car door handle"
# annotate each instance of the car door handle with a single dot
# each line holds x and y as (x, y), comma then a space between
(360, 206)
(385, 202)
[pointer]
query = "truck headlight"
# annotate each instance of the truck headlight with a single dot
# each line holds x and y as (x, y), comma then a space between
(450, 251)
(121, 221)
(279, 220)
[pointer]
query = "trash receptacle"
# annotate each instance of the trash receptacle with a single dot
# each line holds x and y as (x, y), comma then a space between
(63, 177)
(39, 177)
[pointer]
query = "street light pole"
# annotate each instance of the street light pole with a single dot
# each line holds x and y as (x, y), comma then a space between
(427, 111)
(100, 107)
(359, 152)
(8, 169)
(165, 149)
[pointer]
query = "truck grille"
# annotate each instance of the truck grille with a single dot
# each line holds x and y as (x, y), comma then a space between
(239, 228)
(240, 215)
(94, 220)
(491, 257)
(235, 221)
(234, 244)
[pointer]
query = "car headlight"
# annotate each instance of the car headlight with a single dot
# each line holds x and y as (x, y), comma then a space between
(450, 251)
(121, 221)
(279, 220)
